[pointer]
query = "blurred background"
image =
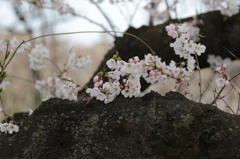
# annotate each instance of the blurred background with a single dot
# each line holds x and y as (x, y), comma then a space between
(25, 19)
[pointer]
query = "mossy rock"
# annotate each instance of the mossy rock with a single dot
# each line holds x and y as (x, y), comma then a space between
(152, 126)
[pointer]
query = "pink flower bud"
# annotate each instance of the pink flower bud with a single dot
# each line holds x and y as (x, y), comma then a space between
(96, 78)
(152, 73)
(136, 59)
(227, 83)
(224, 66)
(131, 61)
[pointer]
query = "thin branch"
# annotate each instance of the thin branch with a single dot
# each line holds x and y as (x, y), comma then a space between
(54, 65)
(87, 19)
(232, 54)
(5, 56)
(238, 108)
(238, 103)
(215, 99)
(206, 88)
(218, 94)
(23, 79)
(3, 67)
(191, 95)
(106, 17)
(121, 11)
(226, 93)
(25, 41)
(127, 9)
(65, 64)
(134, 12)
(228, 106)
(214, 92)
(168, 9)
(94, 22)
(200, 79)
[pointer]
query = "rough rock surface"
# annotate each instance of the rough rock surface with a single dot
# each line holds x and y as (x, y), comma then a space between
(153, 127)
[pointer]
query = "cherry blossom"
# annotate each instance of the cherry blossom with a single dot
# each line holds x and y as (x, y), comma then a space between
(184, 28)
(216, 61)
(200, 49)
(220, 82)
(69, 90)
(12, 45)
(8, 128)
(226, 7)
(190, 47)
(79, 64)
(50, 87)
(37, 55)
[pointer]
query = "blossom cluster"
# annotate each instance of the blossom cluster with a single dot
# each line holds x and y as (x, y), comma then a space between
(9, 128)
(216, 61)
(183, 45)
(129, 85)
(221, 82)
(37, 56)
(59, 85)
(153, 8)
(226, 7)
(50, 87)
(80, 63)
(111, 1)
(124, 77)
(154, 70)
(58, 5)
(61, 7)
(56, 86)
(12, 45)
(69, 90)
(220, 65)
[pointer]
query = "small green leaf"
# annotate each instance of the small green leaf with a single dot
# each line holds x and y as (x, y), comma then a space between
(4, 74)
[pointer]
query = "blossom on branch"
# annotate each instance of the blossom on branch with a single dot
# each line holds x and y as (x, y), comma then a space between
(37, 55)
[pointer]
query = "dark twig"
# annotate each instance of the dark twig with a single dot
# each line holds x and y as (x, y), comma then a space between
(65, 64)
(23, 79)
(4, 67)
(134, 12)
(55, 65)
(228, 106)
(200, 78)
(232, 54)
(168, 9)
(106, 17)
(215, 99)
